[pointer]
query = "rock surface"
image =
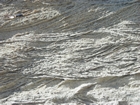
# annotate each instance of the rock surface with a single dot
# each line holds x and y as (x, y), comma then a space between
(75, 52)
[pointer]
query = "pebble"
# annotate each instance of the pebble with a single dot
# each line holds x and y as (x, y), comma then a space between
(11, 17)
(19, 15)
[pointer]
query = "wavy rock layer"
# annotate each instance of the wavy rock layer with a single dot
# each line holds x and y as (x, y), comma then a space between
(70, 52)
